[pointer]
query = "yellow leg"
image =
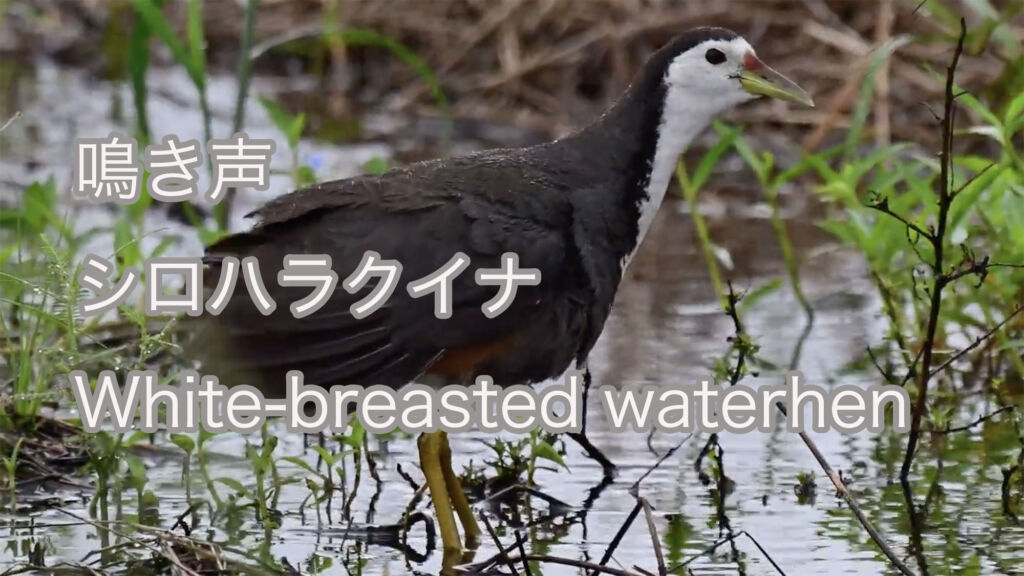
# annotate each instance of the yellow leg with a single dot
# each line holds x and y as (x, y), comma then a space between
(430, 460)
(458, 495)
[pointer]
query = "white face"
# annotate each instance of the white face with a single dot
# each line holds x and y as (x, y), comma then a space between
(706, 78)
(702, 83)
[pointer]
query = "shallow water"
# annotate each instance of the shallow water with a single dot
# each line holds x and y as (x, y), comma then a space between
(666, 329)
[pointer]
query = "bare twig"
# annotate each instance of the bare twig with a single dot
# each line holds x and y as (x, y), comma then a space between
(522, 554)
(501, 549)
(977, 342)
(636, 485)
(516, 488)
(730, 538)
(938, 240)
(583, 564)
(152, 547)
(837, 480)
(618, 537)
(655, 543)
(405, 476)
(847, 496)
(11, 120)
(979, 420)
(883, 207)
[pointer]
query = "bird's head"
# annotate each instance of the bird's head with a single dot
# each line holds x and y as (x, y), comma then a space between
(710, 70)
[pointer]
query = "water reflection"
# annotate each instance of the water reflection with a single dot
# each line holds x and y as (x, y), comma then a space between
(666, 329)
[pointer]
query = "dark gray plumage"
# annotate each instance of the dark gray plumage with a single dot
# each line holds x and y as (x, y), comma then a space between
(569, 208)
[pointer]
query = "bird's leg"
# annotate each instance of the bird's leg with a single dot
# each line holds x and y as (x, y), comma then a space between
(458, 495)
(430, 460)
(581, 437)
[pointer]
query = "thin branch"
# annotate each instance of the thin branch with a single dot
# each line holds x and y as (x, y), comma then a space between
(730, 538)
(655, 543)
(889, 377)
(618, 537)
(977, 342)
(979, 269)
(936, 296)
(11, 120)
(522, 554)
(501, 549)
(847, 496)
(883, 207)
(543, 558)
(980, 419)
(405, 476)
(636, 485)
(973, 178)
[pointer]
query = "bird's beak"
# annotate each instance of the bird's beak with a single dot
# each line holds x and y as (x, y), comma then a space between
(757, 78)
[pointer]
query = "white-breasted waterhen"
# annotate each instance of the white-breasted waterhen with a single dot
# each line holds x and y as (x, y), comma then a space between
(576, 209)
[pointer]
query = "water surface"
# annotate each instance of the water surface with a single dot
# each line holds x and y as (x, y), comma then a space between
(666, 329)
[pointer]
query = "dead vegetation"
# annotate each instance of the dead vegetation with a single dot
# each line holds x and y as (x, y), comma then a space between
(549, 65)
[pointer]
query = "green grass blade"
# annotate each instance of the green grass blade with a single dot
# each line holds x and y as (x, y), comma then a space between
(196, 42)
(160, 26)
(138, 64)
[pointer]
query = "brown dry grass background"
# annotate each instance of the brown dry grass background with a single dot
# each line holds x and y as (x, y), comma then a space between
(549, 65)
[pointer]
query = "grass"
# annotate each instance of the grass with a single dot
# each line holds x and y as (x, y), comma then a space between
(42, 337)
(943, 239)
(941, 236)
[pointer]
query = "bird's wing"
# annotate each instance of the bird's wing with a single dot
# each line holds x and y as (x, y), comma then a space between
(420, 217)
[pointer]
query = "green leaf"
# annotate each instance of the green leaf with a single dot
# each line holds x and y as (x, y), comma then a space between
(268, 450)
(305, 175)
(356, 437)
(134, 438)
(1014, 119)
(196, 42)
(234, 485)
(137, 470)
(289, 124)
(376, 165)
(863, 166)
(159, 24)
(965, 202)
(165, 244)
(843, 231)
(707, 164)
(365, 37)
(751, 298)
(37, 209)
(149, 500)
(546, 451)
(204, 435)
(301, 463)
(183, 441)
(126, 245)
(138, 63)
(328, 458)
(821, 166)
(865, 99)
(756, 162)
(969, 100)
(209, 236)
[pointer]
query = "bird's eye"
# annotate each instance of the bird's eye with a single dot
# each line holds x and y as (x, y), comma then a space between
(715, 56)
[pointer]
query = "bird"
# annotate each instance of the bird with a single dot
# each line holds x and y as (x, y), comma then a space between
(576, 209)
